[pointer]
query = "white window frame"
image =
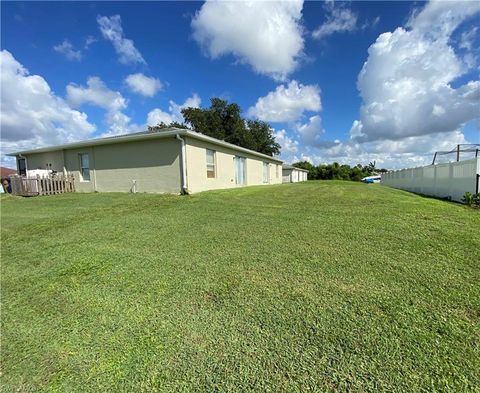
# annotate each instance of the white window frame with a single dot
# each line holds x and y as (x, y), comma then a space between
(214, 163)
(82, 168)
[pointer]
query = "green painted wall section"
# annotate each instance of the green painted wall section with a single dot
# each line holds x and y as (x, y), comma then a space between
(43, 161)
(154, 164)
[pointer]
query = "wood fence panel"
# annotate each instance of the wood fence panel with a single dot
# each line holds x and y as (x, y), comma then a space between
(51, 185)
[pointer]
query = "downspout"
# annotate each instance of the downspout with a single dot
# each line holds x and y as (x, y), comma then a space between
(94, 170)
(184, 164)
(65, 172)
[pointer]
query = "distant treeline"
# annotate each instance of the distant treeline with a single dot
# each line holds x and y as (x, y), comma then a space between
(336, 171)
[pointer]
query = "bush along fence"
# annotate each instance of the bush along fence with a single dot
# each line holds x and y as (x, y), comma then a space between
(51, 185)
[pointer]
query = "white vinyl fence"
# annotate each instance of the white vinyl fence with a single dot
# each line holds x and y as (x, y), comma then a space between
(450, 180)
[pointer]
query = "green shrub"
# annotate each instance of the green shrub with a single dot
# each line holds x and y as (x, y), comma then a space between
(471, 199)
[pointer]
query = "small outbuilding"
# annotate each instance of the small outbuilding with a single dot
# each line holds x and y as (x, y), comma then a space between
(291, 174)
(168, 161)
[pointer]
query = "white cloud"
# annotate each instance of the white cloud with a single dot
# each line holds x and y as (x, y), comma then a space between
(406, 81)
(111, 28)
(98, 94)
(157, 116)
(174, 113)
(467, 39)
(288, 145)
(144, 85)
(265, 34)
(287, 103)
(31, 114)
(89, 41)
(438, 19)
(311, 131)
(66, 48)
(338, 19)
(391, 154)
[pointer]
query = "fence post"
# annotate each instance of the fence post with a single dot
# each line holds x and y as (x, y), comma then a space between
(458, 153)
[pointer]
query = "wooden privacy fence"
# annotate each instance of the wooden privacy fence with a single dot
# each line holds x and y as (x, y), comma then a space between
(33, 186)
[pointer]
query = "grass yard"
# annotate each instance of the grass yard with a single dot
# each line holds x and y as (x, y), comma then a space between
(318, 286)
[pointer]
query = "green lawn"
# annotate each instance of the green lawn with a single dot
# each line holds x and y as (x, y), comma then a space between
(319, 286)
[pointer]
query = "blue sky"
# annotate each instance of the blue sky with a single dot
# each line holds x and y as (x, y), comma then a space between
(74, 71)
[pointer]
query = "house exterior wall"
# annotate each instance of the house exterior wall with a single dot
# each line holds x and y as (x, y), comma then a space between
(196, 159)
(154, 164)
(72, 167)
(287, 175)
(43, 161)
(291, 175)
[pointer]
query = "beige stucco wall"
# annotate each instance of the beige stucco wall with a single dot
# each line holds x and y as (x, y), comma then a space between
(196, 159)
(291, 175)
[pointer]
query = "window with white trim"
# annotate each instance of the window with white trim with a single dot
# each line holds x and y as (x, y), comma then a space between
(211, 167)
(84, 167)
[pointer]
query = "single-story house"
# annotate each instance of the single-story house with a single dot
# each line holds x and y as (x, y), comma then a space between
(168, 161)
(6, 172)
(291, 174)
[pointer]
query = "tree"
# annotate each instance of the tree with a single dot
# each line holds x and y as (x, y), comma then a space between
(223, 121)
(258, 136)
(336, 171)
(161, 126)
(370, 168)
(312, 170)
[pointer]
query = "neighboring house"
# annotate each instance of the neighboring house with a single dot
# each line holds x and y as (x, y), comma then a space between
(169, 161)
(292, 174)
(4, 175)
(5, 172)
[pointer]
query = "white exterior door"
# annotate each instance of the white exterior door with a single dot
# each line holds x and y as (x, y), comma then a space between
(240, 170)
(266, 173)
